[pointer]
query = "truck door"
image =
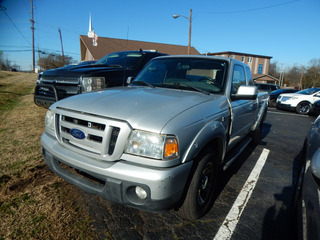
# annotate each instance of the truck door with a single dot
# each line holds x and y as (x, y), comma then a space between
(243, 111)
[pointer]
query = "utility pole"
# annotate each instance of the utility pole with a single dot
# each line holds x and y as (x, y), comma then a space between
(32, 29)
(300, 87)
(61, 45)
(190, 21)
(189, 43)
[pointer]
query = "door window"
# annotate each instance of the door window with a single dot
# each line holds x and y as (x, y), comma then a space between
(238, 78)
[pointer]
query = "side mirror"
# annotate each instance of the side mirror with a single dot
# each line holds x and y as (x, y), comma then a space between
(129, 80)
(245, 92)
(315, 167)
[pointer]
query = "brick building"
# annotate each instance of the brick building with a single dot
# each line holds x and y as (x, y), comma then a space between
(258, 64)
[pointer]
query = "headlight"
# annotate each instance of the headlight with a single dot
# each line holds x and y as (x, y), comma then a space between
(294, 98)
(92, 83)
(152, 145)
(49, 122)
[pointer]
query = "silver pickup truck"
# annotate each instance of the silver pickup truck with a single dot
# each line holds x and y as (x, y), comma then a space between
(158, 143)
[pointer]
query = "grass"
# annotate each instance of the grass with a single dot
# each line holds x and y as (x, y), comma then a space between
(34, 203)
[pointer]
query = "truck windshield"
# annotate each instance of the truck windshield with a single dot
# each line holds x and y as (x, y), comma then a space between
(195, 74)
(122, 59)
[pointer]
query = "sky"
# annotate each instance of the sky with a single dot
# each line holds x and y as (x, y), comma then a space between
(287, 30)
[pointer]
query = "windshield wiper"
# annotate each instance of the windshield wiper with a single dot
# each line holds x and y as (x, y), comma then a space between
(194, 88)
(144, 83)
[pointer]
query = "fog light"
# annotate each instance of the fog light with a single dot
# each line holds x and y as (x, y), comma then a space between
(141, 193)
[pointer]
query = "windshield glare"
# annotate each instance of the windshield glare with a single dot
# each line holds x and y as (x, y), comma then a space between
(185, 73)
(122, 59)
(308, 91)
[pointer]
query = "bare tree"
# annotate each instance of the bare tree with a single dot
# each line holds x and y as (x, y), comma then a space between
(293, 75)
(53, 61)
(274, 69)
(314, 71)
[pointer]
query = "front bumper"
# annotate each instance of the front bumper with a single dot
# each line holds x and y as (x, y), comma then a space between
(285, 106)
(47, 94)
(116, 181)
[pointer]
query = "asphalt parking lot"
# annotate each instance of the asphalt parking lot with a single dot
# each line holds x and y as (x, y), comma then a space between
(254, 199)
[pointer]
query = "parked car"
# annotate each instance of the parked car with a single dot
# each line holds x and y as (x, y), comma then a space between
(307, 200)
(274, 95)
(266, 87)
(301, 101)
(110, 71)
(316, 108)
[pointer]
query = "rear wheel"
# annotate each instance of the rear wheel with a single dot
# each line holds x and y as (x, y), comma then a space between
(256, 134)
(199, 198)
(272, 103)
(303, 108)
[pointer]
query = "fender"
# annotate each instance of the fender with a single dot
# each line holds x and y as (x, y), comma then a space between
(261, 115)
(212, 130)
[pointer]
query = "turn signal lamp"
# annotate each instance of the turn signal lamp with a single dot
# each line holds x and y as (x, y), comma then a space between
(171, 148)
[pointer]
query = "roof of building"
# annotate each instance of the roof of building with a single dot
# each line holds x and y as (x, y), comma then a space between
(265, 76)
(238, 53)
(109, 45)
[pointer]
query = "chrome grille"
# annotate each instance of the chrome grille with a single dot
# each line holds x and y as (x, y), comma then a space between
(101, 136)
(63, 80)
(113, 139)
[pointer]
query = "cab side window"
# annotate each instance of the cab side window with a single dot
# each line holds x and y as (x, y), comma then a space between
(238, 78)
(249, 76)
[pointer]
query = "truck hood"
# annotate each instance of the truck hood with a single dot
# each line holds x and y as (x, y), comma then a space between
(142, 107)
(78, 70)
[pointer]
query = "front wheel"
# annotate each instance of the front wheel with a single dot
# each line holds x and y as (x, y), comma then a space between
(303, 108)
(199, 198)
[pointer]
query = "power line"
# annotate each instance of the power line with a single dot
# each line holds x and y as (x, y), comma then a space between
(11, 46)
(4, 10)
(17, 50)
(252, 9)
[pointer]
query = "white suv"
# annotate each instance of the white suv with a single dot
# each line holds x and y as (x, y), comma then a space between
(300, 101)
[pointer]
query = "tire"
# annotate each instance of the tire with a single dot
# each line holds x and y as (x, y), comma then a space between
(303, 108)
(256, 134)
(199, 197)
(273, 103)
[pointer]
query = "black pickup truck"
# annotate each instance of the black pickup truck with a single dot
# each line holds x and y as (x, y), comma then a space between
(111, 70)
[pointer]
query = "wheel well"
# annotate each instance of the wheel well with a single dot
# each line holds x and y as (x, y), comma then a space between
(215, 144)
(304, 101)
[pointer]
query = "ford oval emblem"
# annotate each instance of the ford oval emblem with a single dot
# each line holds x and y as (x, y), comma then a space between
(77, 133)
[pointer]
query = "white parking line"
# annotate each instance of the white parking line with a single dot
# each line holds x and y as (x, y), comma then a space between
(230, 223)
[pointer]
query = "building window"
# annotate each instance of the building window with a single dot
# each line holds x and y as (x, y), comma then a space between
(242, 59)
(232, 56)
(249, 59)
(260, 68)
